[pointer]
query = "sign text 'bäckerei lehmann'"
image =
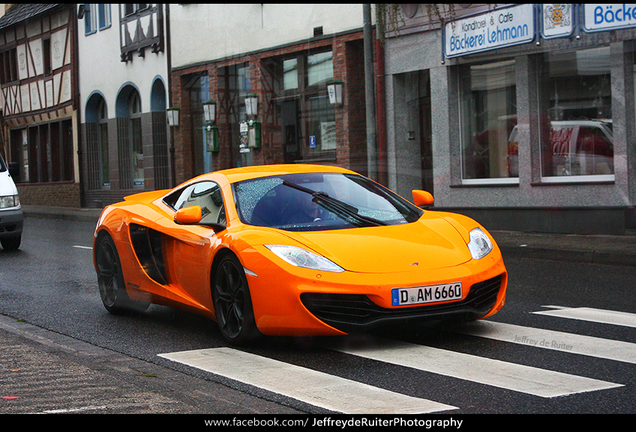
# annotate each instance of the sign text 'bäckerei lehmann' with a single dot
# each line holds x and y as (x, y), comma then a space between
(495, 29)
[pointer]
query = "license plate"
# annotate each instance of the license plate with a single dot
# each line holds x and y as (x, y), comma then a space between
(426, 294)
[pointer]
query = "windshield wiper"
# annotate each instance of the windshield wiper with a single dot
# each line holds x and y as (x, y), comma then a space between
(342, 209)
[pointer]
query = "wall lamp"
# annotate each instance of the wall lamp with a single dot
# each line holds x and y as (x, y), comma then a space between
(212, 131)
(173, 116)
(334, 88)
(251, 104)
(209, 111)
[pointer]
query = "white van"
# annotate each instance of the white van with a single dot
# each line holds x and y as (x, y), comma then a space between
(11, 217)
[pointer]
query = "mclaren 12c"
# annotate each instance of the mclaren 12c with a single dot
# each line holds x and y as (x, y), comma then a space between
(295, 250)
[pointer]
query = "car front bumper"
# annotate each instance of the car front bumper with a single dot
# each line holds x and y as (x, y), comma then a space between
(294, 301)
(11, 222)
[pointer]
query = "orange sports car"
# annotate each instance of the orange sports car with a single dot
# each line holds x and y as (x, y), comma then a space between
(295, 250)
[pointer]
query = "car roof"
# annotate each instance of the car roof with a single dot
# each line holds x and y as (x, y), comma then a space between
(579, 123)
(246, 173)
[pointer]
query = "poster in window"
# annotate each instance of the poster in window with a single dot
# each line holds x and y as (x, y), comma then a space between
(328, 135)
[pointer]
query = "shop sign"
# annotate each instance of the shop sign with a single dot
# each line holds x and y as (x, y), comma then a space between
(557, 20)
(600, 17)
(496, 29)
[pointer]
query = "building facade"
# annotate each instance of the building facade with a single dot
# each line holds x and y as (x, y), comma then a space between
(521, 116)
(38, 79)
(124, 84)
(282, 55)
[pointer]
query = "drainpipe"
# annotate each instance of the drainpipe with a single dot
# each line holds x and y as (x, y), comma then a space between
(171, 150)
(372, 159)
(381, 102)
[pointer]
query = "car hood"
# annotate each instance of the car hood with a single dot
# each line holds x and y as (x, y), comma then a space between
(429, 243)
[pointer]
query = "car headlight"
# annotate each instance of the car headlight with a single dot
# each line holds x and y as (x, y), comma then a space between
(303, 258)
(9, 201)
(479, 244)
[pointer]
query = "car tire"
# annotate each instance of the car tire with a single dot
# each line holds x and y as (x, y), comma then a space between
(11, 244)
(110, 278)
(232, 301)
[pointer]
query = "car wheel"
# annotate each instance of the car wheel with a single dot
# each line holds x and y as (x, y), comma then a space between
(110, 279)
(11, 244)
(232, 302)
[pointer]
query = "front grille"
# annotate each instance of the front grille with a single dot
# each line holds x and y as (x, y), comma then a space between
(348, 312)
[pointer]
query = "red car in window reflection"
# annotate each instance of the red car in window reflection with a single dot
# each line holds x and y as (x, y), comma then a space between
(576, 148)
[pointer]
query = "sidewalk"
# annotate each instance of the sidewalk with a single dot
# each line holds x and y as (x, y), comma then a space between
(596, 249)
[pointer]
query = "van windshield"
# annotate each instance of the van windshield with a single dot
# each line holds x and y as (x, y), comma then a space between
(3, 167)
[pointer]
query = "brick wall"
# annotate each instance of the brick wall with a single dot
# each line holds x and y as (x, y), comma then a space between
(65, 194)
(348, 63)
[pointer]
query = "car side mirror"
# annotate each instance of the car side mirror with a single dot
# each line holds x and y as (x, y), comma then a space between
(192, 215)
(188, 215)
(422, 198)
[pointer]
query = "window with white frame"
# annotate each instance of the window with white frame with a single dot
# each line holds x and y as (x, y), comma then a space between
(104, 16)
(90, 19)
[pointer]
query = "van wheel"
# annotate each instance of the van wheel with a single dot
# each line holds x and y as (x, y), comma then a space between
(11, 244)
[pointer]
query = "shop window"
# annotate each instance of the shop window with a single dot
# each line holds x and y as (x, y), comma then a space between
(233, 86)
(488, 116)
(104, 164)
(290, 74)
(47, 152)
(307, 118)
(319, 67)
(135, 139)
(199, 92)
(576, 116)
(96, 127)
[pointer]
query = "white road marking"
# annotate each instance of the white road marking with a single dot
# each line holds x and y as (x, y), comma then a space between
(82, 247)
(74, 410)
(553, 340)
(511, 376)
(313, 387)
(594, 315)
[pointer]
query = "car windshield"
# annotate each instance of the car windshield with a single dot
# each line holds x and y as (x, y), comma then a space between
(320, 201)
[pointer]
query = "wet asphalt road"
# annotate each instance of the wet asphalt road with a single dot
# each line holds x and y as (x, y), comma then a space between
(50, 284)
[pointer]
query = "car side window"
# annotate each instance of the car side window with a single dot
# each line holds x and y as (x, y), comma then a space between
(207, 195)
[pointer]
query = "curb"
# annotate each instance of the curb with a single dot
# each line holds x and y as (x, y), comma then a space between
(62, 213)
(577, 256)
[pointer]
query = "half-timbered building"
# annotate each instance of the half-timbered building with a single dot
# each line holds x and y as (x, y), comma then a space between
(38, 81)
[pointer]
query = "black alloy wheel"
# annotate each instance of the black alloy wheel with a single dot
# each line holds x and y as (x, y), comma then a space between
(110, 279)
(232, 302)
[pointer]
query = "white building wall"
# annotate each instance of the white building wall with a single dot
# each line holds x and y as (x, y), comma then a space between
(100, 68)
(207, 32)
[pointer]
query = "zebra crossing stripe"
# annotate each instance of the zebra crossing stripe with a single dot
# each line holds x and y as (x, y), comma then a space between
(593, 315)
(511, 376)
(553, 340)
(313, 387)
